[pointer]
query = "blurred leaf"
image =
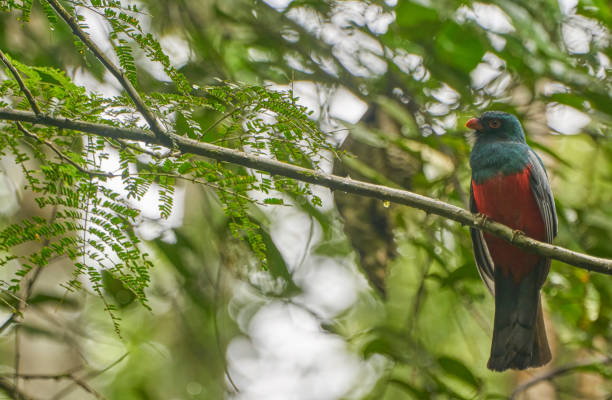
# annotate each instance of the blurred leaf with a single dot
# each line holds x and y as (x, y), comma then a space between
(411, 14)
(116, 289)
(418, 394)
(278, 267)
(46, 298)
(459, 46)
(457, 369)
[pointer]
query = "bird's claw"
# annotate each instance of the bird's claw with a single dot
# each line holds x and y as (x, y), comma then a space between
(481, 219)
(515, 233)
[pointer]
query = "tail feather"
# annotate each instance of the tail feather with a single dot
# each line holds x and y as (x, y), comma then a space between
(519, 334)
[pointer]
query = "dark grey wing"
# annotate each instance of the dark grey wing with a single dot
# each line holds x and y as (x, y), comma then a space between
(544, 198)
(481, 251)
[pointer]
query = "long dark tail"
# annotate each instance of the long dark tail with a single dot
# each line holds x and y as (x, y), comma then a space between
(519, 335)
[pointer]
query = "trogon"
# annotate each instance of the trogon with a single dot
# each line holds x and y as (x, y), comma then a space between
(510, 185)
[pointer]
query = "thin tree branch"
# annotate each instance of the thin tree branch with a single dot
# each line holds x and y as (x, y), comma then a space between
(115, 71)
(8, 321)
(62, 155)
(21, 83)
(68, 376)
(64, 392)
(554, 373)
(153, 154)
(216, 329)
(17, 361)
(333, 182)
(12, 391)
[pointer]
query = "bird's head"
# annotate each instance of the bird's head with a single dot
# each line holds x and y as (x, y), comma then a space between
(497, 125)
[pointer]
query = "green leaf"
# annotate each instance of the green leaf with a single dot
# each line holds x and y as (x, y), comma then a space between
(459, 46)
(277, 265)
(410, 388)
(45, 298)
(122, 295)
(458, 369)
(411, 14)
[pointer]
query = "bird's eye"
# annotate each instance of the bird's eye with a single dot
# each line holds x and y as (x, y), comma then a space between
(494, 123)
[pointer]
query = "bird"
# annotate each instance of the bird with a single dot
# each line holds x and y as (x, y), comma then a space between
(510, 185)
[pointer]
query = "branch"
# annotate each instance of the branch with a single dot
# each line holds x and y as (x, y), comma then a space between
(64, 392)
(143, 150)
(114, 70)
(333, 182)
(17, 359)
(552, 374)
(12, 391)
(62, 155)
(21, 83)
(69, 376)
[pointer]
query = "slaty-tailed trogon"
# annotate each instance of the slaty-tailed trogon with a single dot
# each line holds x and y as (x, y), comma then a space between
(510, 186)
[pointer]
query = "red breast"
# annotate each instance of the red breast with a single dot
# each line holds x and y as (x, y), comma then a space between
(508, 199)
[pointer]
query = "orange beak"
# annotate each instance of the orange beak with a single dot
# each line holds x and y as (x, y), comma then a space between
(474, 123)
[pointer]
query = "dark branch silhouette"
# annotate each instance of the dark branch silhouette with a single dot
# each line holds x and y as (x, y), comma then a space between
(273, 167)
(555, 372)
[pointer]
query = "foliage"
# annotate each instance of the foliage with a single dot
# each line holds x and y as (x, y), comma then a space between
(92, 224)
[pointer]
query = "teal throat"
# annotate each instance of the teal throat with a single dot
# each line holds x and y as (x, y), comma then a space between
(490, 158)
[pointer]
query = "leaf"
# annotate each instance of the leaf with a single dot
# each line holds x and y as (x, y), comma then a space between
(411, 14)
(410, 388)
(465, 271)
(569, 99)
(50, 14)
(334, 248)
(177, 252)
(26, 10)
(274, 201)
(277, 265)
(45, 298)
(459, 46)
(377, 346)
(122, 295)
(182, 126)
(458, 369)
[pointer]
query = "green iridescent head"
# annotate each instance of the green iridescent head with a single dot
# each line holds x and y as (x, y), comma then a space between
(497, 125)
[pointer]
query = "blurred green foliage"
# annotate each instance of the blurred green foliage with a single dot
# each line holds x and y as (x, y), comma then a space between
(422, 68)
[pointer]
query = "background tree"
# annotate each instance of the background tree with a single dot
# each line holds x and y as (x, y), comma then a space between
(183, 277)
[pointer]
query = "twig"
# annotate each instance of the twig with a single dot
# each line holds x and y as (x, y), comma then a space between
(62, 155)
(333, 182)
(12, 391)
(67, 375)
(62, 393)
(116, 72)
(21, 83)
(87, 388)
(223, 117)
(145, 151)
(216, 328)
(556, 372)
(8, 321)
(17, 360)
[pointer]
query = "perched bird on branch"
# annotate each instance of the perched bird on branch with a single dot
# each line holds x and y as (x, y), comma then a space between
(510, 185)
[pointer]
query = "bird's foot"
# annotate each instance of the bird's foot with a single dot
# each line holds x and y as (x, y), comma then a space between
(515, 233)
(481, 219)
